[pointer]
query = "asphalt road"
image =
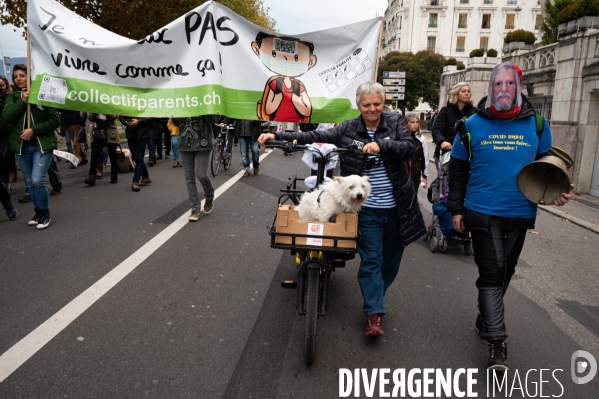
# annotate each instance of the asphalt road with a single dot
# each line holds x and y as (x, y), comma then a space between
(121, 297)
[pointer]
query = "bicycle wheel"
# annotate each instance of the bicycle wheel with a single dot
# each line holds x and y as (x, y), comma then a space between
(227, 158)
(311, 315)
(215, 159)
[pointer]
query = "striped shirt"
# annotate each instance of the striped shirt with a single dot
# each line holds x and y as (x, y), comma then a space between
(381, 195)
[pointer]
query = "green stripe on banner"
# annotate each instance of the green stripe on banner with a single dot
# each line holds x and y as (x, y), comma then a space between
(88, 96)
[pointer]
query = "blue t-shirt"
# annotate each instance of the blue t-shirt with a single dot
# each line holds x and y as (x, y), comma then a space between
(500, 150)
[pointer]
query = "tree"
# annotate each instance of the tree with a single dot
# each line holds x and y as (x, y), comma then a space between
(423, 75)
(552, 20)
(136, 19)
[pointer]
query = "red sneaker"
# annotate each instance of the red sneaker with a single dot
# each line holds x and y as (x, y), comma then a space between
(374, 328)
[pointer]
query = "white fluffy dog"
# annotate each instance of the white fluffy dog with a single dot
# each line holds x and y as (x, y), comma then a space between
(342, 195)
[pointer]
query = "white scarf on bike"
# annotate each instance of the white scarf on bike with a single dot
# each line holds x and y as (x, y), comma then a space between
(318, 149)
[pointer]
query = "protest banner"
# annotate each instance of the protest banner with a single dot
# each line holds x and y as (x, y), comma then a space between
(208, 61)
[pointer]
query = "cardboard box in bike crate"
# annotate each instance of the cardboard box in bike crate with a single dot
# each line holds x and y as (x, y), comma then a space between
(288, 222)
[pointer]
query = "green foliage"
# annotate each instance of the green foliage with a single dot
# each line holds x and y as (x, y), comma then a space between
(479, 52)
(491, 52)
(552, 19)
(579, 9)
(451, 61)
(461, 66)
(423, 75)
(139, 18)
(520, 35)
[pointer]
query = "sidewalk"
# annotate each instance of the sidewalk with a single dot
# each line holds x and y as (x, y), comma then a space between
(582, 210)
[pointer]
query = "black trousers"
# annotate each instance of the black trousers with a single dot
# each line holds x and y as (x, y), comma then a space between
(4, 194)
(167, 144)
(96, 150)
(496, 253)
(6, 156)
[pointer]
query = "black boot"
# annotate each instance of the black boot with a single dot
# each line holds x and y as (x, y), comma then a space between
(91, 181)
(497, 354)
(113, 178)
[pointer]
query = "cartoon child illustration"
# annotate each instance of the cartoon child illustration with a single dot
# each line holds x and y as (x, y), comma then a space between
(285, 98)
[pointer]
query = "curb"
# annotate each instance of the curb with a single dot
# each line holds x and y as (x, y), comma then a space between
(573, 219)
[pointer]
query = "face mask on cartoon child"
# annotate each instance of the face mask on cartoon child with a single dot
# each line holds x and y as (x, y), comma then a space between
(283, 67)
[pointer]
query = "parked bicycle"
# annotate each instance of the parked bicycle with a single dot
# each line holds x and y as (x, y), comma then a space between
(222, 153)
(314, 263)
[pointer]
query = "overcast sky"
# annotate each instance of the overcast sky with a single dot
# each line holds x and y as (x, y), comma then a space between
(12, 43)
(301, 16)
(292, 16)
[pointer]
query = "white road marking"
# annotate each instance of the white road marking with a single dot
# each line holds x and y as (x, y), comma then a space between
(18, 354)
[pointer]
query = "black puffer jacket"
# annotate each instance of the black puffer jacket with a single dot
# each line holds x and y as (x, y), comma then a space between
(143, 130)
(395, 151)
(459, 170)
(443, 128)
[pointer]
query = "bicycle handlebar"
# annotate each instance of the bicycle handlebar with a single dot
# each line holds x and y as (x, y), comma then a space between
(288, 147)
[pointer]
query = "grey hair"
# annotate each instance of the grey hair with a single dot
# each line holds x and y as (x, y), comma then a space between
(499, 69)
(370, 88)
(453, 93)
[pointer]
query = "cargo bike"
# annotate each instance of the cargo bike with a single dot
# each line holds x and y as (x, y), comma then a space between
(317, 256)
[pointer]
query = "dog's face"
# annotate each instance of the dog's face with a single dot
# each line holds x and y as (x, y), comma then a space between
(355, 188)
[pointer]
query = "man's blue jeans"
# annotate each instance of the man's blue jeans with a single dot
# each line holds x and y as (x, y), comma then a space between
(245, 144)
(381, 250)
(35, 165)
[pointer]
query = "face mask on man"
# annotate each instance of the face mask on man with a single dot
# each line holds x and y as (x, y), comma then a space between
(284, 67)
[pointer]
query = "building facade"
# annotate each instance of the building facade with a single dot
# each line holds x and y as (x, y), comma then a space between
(453, 28)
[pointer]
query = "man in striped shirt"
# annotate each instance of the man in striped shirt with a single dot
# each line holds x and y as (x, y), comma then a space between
(390, 219)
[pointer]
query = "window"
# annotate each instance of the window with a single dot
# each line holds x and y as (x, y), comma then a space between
(484, 43)
(432, 20)
(509, 21)
(463, 21)
(434, 2)
(459, 48)
(512, 1)
(486, 21)
(430, 43)
(489, 1)
(400, 18)
(538, 21)
(464, 1)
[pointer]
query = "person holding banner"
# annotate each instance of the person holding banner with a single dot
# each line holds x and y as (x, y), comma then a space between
(33, 141)
(196, 139)
(390, 219)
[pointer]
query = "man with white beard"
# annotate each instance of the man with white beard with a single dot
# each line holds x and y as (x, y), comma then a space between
(499, 140)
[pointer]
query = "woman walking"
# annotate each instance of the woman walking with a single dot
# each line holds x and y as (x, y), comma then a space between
(104, 135)
(418, 163)
(32, 145)
(195, 144)
(458, 106)
(174, 143)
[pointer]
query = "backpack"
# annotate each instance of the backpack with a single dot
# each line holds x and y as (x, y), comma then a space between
(460, 126)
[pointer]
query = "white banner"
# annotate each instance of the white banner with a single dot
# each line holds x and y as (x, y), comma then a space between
(209, 61)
